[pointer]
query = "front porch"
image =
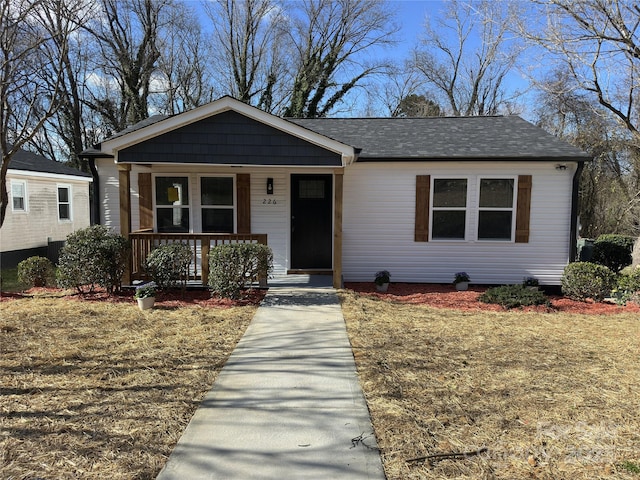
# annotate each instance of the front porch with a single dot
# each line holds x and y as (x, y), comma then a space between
(143, 241)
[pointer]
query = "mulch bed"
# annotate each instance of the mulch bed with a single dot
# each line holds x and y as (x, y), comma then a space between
(446, 296)
(170, 299)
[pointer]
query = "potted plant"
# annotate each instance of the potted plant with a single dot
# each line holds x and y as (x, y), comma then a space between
(382, 280)
(531, 283)
(461, 281)
(146, 295)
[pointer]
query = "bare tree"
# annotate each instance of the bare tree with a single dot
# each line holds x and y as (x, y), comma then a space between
(328, 38)
(248, 37)
(596, 44)
(72, 126)
(127, 56)
(466, 55)
(184, 75)
(31, 48)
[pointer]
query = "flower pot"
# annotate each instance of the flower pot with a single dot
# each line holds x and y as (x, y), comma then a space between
(146, 303)
(462, 286)
(383, 287)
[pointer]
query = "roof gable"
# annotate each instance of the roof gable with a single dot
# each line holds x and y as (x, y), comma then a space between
(229, 138)
(157, 126)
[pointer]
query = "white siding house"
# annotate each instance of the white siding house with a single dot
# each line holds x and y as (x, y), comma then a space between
(423, 198)
(47, 202)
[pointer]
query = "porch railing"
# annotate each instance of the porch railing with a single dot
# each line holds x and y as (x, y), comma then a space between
(143, 241)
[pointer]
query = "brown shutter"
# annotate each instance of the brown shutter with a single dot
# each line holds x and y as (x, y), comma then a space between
(423, 187)
(145, 200)
(523, 209)
(243, 188)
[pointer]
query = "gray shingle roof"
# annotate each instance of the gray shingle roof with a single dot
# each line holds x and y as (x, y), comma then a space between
(456, 138)
(438, 138)
(32, 162)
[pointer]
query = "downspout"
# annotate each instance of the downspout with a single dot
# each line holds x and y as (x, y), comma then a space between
(95, 207)
(573, 232)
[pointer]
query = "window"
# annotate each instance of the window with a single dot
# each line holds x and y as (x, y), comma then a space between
(216, 198)
(449, 211)
(18, 195)
(311, 189)
(172, 204)
(495, 209)
(64, 202)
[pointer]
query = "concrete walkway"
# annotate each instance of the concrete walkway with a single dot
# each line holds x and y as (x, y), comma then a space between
(287, 404)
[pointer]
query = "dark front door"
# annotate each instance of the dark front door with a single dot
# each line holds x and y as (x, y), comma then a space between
(311, 225)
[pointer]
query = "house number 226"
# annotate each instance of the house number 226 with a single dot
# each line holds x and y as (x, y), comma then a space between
(270, 201)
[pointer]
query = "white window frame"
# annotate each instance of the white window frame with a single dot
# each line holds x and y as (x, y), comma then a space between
(432, 208)
(69, 202)
(514, 178)
(189, 206)
(230, 207)
(25, 204)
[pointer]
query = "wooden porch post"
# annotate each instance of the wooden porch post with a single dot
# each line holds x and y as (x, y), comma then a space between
(204, 253)
(337, 229)
(124, 182)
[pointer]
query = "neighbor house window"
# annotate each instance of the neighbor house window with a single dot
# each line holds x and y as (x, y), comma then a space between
(172, 204)
(64, 202)
(495, 209)
(217, 205)
(449, 209)
(18, 195)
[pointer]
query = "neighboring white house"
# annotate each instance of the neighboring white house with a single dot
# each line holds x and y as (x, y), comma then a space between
(47, 201)
(421, 197)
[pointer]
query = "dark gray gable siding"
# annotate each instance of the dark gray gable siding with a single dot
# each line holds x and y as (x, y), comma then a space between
(229, 138)
(445, 138)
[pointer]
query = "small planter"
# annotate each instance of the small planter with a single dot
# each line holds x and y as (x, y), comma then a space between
(462, 286)
(146, 303)
(382, 279)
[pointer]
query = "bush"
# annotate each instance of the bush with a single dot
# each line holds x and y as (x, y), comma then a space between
(582, 280)
(514, 296)
(628, 287)
(168, 265)
(93, 256)
(233, 266)
(36, 272)
(613, 251)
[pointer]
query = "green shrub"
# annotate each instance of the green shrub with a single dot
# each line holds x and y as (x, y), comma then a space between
(582, 280)
(168, 265)
(613, 251)
(36, 272)
(93, 256)
(234, 266)
(514, 296)
(628, 287)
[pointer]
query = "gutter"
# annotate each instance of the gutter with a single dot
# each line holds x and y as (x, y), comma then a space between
(95, 205)
(573, 232)
(91, 154)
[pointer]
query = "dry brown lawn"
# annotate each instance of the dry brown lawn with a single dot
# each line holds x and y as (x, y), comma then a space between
(98, 390)
(525, 395)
